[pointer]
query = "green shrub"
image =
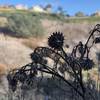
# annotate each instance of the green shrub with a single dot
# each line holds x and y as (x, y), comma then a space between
(24, 25)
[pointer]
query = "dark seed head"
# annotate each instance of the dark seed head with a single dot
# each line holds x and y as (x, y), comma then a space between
(56, 40)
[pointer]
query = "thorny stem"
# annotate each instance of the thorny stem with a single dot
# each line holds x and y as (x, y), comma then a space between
(49, 70)
(65, 59)
(61, 77)
(81, 77)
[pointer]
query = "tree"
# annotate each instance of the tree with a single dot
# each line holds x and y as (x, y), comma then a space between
(48, 8)
(79, 14)
(60, 10)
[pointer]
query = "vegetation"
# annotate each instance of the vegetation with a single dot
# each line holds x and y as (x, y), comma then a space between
(24, 25)
(80, 14)
(91, 19)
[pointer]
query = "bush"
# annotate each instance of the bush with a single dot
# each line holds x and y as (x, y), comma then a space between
(80, 14)
(24, 25)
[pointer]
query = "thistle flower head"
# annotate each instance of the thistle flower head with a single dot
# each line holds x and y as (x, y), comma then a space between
(36, 57)
(87, 64)
(21, 76)
(56, 40)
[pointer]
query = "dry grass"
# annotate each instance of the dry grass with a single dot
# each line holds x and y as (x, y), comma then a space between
(3, 69)
(13, 53)
(3, 21)
(70, 30)
(34, 42)
(94, 75)
(6, 10)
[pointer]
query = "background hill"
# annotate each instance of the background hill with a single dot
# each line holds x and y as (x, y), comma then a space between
(28, 27)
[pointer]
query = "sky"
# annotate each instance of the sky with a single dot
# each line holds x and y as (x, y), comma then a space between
(70, 6)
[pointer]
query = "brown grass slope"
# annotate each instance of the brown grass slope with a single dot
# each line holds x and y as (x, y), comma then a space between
(13, 53)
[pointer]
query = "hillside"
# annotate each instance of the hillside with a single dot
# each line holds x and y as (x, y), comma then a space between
(21, 23)
(30, 27)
